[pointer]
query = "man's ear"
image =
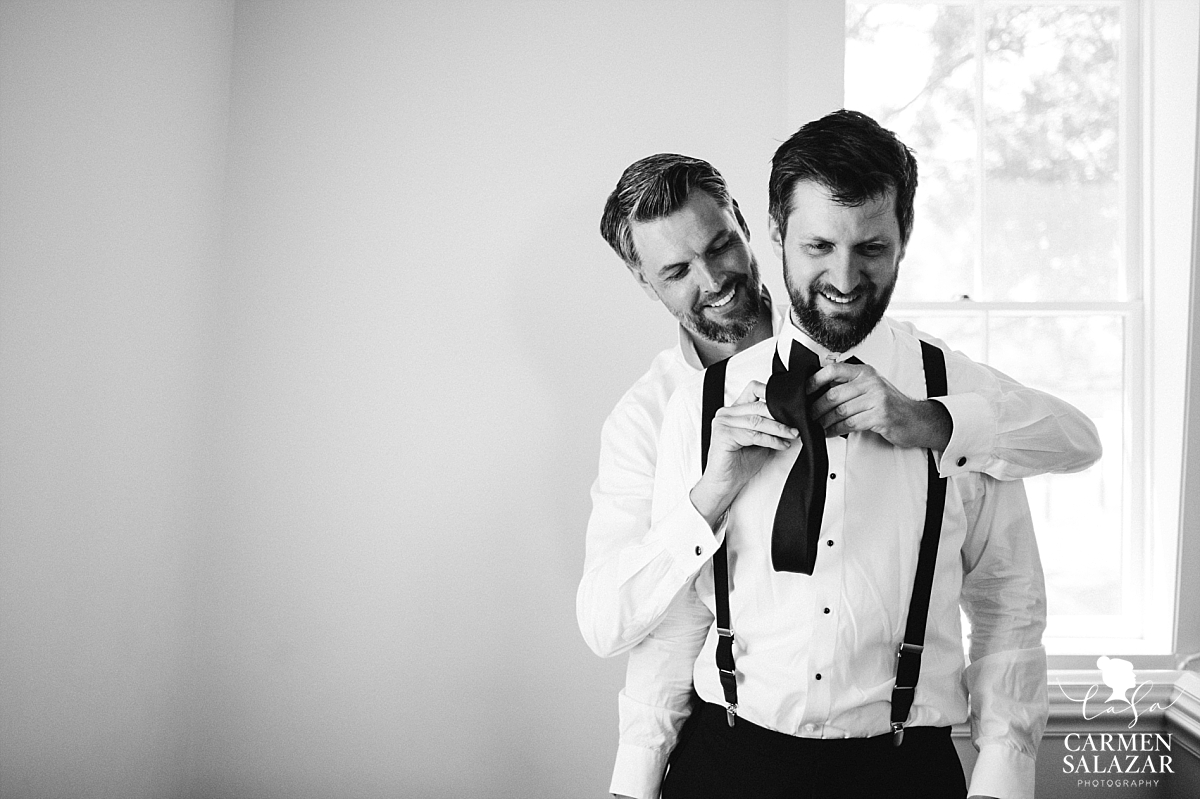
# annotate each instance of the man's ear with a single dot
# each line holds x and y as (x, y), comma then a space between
(636, 271)
(776, 237)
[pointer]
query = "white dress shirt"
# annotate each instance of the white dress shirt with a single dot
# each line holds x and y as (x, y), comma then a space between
(816, 655)
(632, 571)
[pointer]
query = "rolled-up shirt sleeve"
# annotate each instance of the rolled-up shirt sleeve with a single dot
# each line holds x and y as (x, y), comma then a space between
(1004, 597)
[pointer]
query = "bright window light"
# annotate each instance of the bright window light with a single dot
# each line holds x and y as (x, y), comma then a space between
(1025, 252)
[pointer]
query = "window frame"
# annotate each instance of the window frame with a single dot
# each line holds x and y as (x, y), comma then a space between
(1154, 518)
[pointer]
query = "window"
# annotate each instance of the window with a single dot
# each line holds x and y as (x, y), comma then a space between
(1027, 254)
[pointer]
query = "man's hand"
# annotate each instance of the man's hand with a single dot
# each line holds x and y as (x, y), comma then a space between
(743, 437)
(859, 400)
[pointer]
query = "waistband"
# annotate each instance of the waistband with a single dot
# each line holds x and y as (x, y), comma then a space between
(780, 744)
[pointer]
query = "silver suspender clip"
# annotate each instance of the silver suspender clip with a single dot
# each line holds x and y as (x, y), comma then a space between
(905, 648)
(731, 708)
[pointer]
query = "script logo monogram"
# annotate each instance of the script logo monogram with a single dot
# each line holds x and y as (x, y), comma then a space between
(1118, 676)
(1117, 756)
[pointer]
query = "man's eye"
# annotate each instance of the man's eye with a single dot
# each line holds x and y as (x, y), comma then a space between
(873, 250)
(819, 246)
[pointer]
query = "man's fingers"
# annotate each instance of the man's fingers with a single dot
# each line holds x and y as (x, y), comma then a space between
(750, 437)
(748, 409)
(754, 390)
(842, 428)
(833, 373)
(751, 408)
(835, 396)
(847, 417)
(753, 416)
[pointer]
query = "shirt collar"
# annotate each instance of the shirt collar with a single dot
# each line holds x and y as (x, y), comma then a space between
(875, 350)
(687, 344)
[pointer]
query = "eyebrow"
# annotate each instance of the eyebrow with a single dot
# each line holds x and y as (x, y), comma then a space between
(727, 233)
(812, 238)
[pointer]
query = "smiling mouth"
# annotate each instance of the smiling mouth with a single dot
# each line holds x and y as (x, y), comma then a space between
(838, 298)
(724, 299)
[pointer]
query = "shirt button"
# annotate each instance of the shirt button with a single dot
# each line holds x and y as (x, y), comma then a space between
(962, 461)
(826, 610)
(832, 476)
(829, 543)
(699, 550)
(818, 676)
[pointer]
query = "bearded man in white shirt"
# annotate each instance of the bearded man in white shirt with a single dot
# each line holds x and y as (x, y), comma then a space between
(806, 710)
(673, 222)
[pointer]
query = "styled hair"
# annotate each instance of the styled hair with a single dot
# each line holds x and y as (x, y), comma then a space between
(654, 187)
(849, 154)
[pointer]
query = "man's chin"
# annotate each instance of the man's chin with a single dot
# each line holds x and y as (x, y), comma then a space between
(836, 333)
(729, 333)
(729, 327)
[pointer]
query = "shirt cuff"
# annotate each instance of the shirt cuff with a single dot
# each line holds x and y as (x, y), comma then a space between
(638, 772)
(973, 436)
(685, 534)
(1002, 772)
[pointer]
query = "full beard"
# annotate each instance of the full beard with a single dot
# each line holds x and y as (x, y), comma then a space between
(837, 333)
(736, 326)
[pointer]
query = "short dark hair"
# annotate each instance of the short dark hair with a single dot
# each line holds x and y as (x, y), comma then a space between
(853, 157)
(654, 187)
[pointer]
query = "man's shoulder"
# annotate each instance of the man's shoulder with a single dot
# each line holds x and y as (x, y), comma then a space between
(910, 336)
(647, 398)
(906, 331)
(753, 363)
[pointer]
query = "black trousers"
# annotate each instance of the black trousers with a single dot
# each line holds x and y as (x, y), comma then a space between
(715, 761)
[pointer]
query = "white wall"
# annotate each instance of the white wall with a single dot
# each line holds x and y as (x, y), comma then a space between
(112, 129)
(303, 515)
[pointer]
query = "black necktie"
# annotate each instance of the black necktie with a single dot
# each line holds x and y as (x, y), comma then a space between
(797, 528)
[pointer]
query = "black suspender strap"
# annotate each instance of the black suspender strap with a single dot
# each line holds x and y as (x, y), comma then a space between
(714, 399)
(908, 666)
(908, 657)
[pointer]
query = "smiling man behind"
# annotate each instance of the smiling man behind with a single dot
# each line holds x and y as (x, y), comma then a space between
(800, 686)
(679, 232)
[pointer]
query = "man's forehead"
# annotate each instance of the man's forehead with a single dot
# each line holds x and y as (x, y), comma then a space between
(814, 205)
(693, 225)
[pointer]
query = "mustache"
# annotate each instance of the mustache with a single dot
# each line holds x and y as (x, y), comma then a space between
(867, 286)
(737, 281)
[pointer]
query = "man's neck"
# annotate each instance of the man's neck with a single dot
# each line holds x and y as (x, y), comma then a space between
(710, 352)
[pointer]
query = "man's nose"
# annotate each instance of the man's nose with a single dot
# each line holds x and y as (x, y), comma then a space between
(710, 279)
(843, 273)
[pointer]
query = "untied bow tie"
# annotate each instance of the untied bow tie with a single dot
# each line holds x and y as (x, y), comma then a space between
(797, 527)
